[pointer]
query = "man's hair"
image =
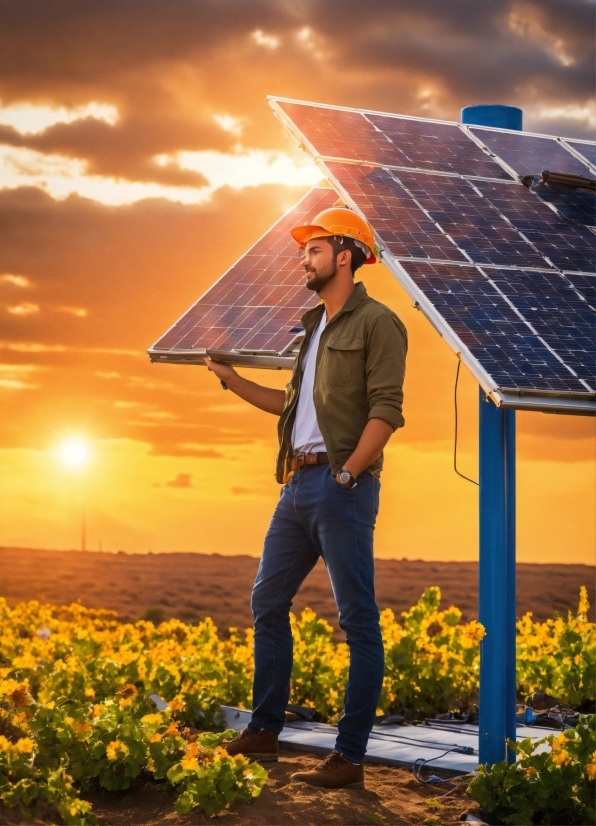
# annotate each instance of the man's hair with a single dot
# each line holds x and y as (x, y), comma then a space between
(344, 242)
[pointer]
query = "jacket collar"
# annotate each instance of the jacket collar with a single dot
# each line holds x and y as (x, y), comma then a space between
(312, 317)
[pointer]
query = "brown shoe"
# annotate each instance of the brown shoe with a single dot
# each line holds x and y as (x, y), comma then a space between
(261, 746)
(333, 773)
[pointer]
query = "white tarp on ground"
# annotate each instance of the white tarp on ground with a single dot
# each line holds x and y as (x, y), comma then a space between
(392, 745)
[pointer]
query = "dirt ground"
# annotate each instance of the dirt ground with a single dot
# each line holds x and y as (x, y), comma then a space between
(391, 796)
(193, 586)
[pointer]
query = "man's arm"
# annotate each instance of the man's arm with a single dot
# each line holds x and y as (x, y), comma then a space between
(265, 398)
(374, 438)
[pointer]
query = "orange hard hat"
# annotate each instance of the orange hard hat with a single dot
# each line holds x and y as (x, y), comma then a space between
(338, 221)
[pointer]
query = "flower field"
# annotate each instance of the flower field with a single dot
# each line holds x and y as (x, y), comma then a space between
(75, 684)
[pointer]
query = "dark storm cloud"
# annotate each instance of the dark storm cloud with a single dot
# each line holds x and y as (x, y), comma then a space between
(140, 55)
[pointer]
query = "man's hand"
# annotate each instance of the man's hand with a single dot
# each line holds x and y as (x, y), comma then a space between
(224, 372)
(265, 398)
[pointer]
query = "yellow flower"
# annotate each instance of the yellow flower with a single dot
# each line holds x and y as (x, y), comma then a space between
(172, 729)
(83, 728)
(152, 718)
(591, 767)
(4, 743)
(561, 758)
(115, 749)
(559, 742)
(98, 709)
(89, 692)
(25, 745)
(176, 704)
(125, 702)
(155, 738)
(189, 763)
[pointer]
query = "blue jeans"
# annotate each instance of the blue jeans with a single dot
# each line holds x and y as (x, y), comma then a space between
(316, 517)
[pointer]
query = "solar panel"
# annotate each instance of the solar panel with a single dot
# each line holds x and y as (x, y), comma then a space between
(252, 314)
(566, 246)
(388, 140)
(478, 308)
(436, 146)
(530, 154)
(585, 149)
(505, 273)
(575, 205)
(406, 230)
(558, 312)
(471, 220)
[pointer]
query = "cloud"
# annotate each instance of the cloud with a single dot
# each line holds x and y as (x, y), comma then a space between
(181, 480)
(16, 280)
(16, 376)
(61, 176)
(23, 309)
(251, 167)
(28, 119)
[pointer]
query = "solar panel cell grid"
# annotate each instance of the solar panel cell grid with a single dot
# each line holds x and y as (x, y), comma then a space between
(567, 246)
(558, 314)
(588, 150)
(529, 154)
(493, 332)
(404, 228)
(586, 285)
(577, 205)
(259, 300)
(335, 133)
(441, 147)
(470, 220)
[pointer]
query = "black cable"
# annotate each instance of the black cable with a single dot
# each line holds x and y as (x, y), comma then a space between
(421, 762)
(467, 478)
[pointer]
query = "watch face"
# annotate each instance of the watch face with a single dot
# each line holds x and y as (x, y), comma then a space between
(344, 476)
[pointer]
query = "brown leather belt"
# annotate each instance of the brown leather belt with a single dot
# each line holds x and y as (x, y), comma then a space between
(306, 459)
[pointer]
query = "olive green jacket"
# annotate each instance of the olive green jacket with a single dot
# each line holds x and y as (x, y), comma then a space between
(359, 376)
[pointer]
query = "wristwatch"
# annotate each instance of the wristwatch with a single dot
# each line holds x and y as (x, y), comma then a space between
(345, 478)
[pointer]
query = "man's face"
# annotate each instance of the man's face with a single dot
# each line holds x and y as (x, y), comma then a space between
(319, 263)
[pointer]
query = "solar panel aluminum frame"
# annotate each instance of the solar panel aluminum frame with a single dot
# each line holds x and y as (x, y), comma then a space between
(548, 401)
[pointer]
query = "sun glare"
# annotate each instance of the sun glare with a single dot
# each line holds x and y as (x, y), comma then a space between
(74, 453)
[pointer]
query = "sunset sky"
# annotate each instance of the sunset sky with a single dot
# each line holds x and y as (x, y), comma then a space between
(138, 160)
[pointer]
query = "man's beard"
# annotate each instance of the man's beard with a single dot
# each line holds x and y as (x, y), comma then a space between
(319, 280)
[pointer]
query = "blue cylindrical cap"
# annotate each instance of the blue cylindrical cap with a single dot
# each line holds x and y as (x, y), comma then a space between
(493, 114)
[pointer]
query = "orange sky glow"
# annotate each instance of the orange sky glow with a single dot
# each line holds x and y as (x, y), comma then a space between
(138, 160)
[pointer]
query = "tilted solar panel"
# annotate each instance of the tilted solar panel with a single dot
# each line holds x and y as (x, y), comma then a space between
(437, 147)
(492, 327)
(530, 154)
(575, 205)
(566, 246)
(252, 314)
(585, 149)
(406, 230)
(503, 272)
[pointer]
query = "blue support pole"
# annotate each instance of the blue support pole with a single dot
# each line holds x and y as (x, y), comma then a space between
(497, 540)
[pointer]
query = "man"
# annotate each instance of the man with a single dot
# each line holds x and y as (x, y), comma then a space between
(337, 413)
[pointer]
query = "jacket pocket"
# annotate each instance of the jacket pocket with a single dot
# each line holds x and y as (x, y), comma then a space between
(344, 361)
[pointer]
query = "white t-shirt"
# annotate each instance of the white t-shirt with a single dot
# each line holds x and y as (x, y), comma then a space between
(306, 436)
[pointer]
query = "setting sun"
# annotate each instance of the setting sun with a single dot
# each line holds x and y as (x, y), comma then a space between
(74, 453)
